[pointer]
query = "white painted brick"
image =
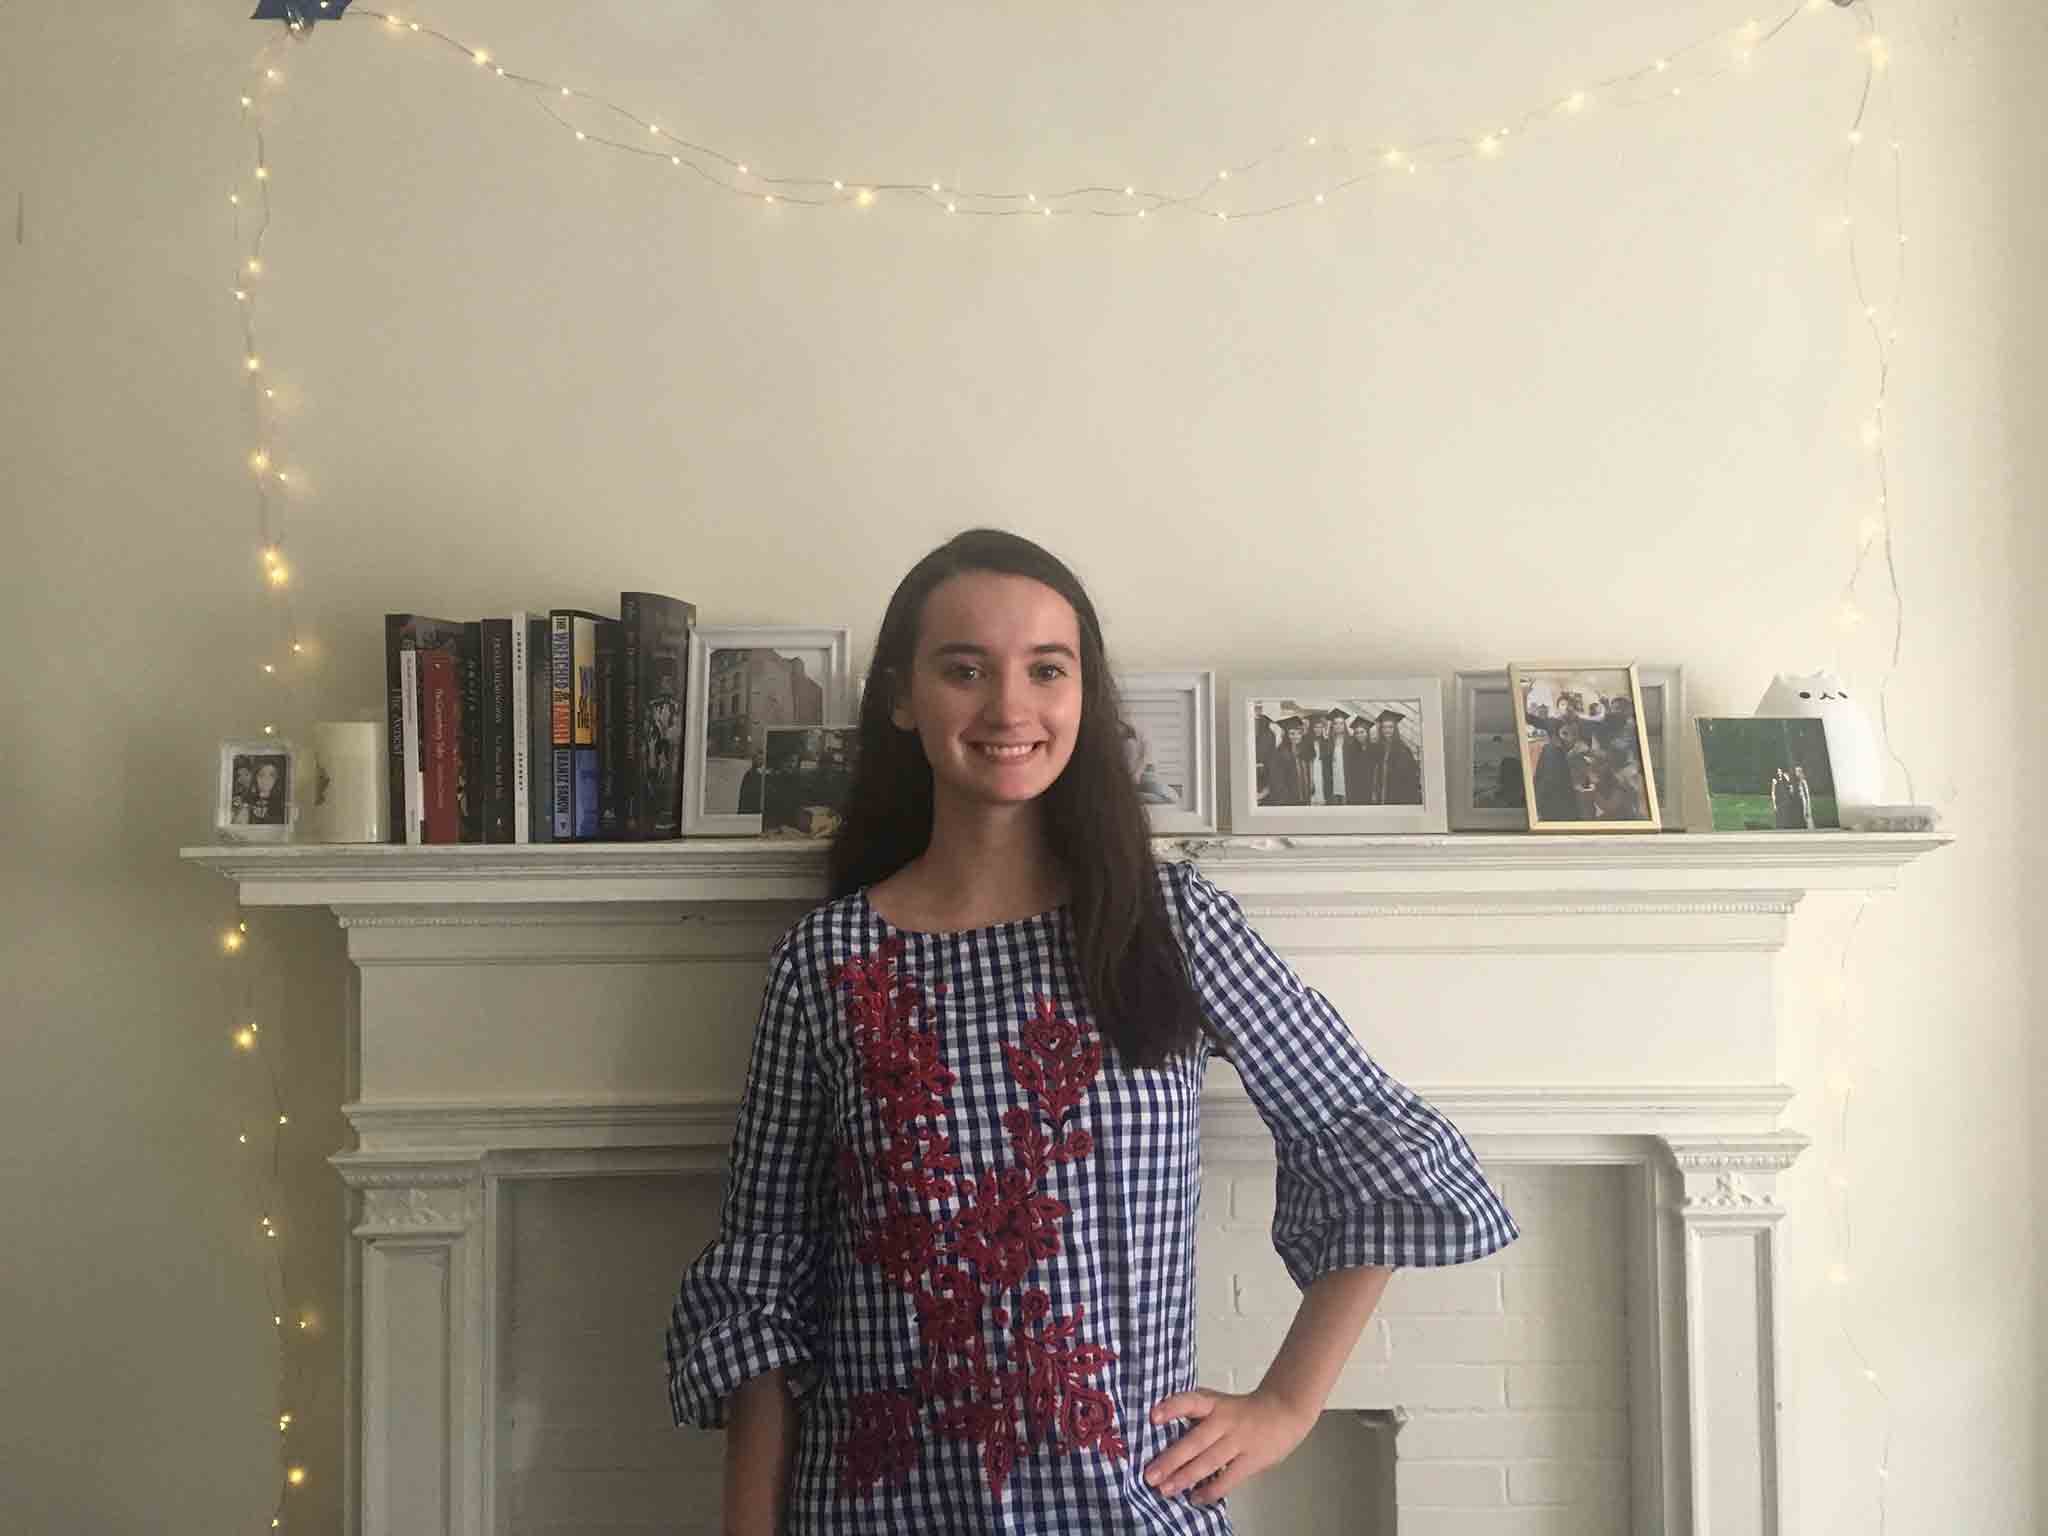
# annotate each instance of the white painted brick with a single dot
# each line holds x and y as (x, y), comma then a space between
(1579, 1483)
(1573, 1434)
(1251, 1199)
(1436, 1290)
(1525, 1520)
(1564, 1386)
(1567, 1336)
(1215, 1288)
(1449, 1386)
(1554, 1289)
(1419, 1485)
(1216, 1199)
(1264, 1287)
(1455, 1340)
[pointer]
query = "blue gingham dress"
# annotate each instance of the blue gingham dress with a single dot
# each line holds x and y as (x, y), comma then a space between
(967, 1231)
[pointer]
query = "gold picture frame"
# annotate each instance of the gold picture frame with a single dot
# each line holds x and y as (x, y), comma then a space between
(1575, 758)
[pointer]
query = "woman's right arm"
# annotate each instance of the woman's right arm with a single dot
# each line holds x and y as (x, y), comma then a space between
(760, 1443)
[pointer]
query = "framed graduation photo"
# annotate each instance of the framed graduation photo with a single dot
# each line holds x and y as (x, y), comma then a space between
(1487, 790)
(1337, 754)
(743, 679)
(1584, 748)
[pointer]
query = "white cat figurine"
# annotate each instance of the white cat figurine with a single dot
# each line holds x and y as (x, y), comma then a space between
(1853, 753)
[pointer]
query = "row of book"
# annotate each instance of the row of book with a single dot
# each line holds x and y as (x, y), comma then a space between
(564, 726)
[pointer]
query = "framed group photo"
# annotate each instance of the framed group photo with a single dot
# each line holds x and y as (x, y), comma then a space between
(1337, 755)
(1584, 750)
(1487, 789)
(742, 680)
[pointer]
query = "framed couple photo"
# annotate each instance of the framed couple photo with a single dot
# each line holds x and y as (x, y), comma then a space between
(1362, 754)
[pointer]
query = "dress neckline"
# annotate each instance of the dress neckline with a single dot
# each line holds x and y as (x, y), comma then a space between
(957, 933)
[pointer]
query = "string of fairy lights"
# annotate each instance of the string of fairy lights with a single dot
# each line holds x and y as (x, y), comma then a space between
(1323, 169)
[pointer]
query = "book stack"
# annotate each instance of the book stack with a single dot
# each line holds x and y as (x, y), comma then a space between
(564, 726)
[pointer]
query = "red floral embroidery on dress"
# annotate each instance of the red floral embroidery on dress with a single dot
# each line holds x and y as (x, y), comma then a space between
(956, 1267)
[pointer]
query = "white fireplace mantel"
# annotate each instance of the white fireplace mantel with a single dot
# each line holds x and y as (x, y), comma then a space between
(582, 1010)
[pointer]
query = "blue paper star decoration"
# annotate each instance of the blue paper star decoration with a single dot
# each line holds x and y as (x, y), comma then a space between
(299, 15)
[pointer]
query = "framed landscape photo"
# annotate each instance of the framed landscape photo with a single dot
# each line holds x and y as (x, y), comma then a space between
(1487, 790)
(1584, 750)
(254, 792)
(1170, 745)
(1769, 775)
(743, 679)
(1362, 754)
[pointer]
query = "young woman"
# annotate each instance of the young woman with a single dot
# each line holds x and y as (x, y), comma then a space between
(953, 1282)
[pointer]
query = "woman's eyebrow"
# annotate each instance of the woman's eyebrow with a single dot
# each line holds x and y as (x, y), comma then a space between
(968, 648)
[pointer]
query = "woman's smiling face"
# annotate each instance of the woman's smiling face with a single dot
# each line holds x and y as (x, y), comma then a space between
(998, 662)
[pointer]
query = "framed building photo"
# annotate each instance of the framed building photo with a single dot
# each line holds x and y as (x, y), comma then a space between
(253, 796)
(1485, 761)
(743, 679)
(1769, 775)
(1170, 744)
(1336, 754)
(1585, 754)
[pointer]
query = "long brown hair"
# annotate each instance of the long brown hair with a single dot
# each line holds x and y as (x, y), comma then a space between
(1096, 827)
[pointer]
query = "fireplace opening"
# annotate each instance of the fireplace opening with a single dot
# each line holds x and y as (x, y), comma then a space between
(1338, 1482)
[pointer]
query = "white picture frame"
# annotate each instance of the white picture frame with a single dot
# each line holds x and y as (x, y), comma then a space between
(1482, 693)
(1170, 718)
(237, 801)
(1312, 697)
(745, 703)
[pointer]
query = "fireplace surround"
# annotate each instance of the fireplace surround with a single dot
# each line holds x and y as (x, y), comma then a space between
(548, 1044)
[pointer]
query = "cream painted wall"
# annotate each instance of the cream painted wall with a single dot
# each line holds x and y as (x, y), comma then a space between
(1600, 397)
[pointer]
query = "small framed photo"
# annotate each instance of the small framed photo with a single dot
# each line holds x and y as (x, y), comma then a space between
(1170, 744)
(1769, 775)
(743, 679)
(805, 780)
(1337, 754)
(254, 801)
(1486, 787)
(1585, 752)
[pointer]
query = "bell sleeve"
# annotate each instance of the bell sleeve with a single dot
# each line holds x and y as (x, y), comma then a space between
(1366, 1172)
(748, 1302)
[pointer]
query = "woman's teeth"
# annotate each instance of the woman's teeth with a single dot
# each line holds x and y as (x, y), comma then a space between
(1007, 754)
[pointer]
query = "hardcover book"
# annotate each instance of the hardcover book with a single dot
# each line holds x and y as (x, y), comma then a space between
(654, 652)
(408, 632)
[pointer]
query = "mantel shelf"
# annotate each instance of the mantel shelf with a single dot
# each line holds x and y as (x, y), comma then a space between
(1625, 868)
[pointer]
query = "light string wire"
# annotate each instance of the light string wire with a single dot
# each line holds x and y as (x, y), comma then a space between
(1652, 83)
(735, 175)
(1841, 1273)
(264, 1170)
(1877, 529)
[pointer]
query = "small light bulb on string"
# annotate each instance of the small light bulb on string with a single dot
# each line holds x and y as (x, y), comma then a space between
(253, 364)
(482, 58)
(284, 1119)
(838, 186)
(1576, 102)
(271, 74)
(296, 1476)
(1130, 191)
(270, 730)
(255, 265)
(1662, 65)
(248, 101)
(298, 648)
(1838, 1274)
(1319, 197)
(231, 942)
(284, 1422)
(865, 196)
(280, 575)
(245, 1038)
(235, 198)
(242, 1137)
(263, 173)
(259, 461)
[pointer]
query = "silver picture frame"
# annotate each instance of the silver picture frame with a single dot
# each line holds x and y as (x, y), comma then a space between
(731, 700)
(1276, 698)
(1169, 720)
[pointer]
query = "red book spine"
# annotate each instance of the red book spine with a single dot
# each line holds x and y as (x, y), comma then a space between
(444, 701)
